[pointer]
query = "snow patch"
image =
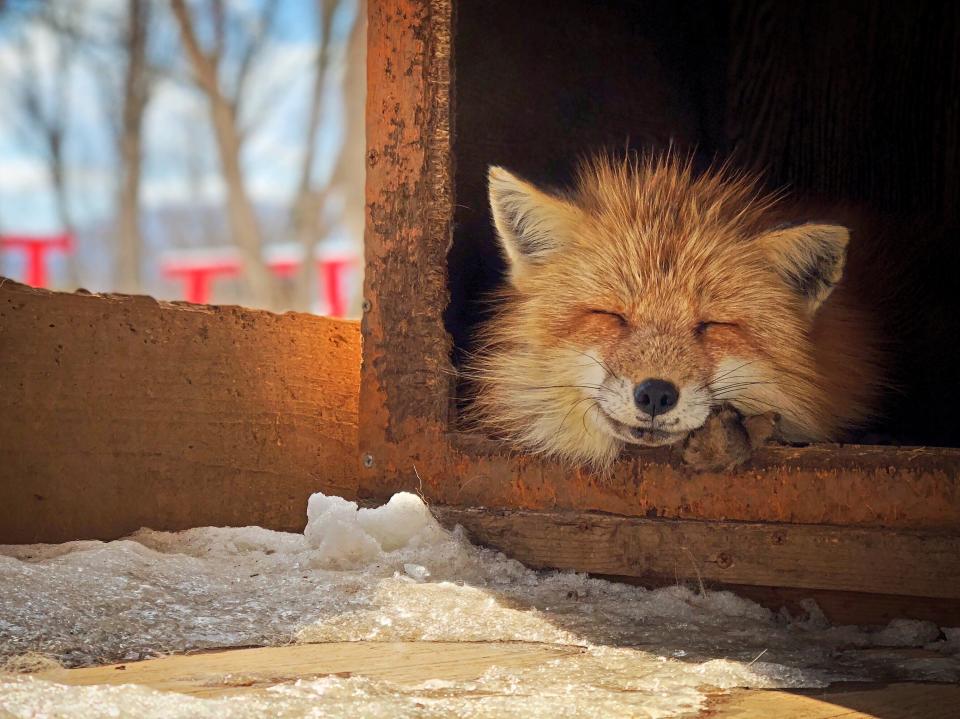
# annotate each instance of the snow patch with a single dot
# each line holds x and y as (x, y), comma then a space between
(391, 573)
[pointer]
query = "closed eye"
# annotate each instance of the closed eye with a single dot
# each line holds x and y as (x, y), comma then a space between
(609, 313)
(702, 327)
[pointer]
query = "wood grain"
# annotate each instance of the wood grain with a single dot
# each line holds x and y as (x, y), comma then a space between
(118, 412)
(244, 670)
(251, 671)
(908, 488)
(892, 701)
(803, 556)
(409, 201)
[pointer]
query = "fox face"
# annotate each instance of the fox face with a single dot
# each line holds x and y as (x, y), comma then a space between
(647, 295)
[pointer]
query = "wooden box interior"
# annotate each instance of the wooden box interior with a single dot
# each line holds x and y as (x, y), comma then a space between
(848, 103)
(853, 103)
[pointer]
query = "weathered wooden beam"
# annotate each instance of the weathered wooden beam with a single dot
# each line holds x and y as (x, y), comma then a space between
(408, 221)
(118, 412)
(915, 488)
(809, 557)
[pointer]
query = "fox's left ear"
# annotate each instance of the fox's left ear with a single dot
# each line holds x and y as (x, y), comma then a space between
(532, 225)
(809, 257)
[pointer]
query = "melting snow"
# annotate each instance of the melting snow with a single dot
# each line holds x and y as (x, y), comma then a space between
(392, 573)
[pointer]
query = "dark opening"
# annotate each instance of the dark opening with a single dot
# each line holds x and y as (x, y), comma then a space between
(856, 102)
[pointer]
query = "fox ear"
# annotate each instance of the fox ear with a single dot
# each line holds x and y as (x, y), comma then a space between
(531, 224)
(809, 257)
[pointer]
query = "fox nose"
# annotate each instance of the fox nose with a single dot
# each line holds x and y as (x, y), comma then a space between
(656, 396)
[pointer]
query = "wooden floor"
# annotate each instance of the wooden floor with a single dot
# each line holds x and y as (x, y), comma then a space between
(241, 670)
(238, 671)
(890, 701)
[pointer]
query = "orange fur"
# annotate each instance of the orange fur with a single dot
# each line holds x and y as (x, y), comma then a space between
(646, 269)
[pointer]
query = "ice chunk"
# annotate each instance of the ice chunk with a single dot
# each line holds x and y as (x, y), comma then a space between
(416, 571)
(347, 537)
(403, 521)
(333, 531)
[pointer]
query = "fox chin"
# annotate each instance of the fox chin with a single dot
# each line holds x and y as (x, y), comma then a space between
(647, 294)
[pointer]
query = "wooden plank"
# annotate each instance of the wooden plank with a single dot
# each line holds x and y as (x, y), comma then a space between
(892, 701)
(799, 556)
(118, 412)
(909, 488)
(408, 221)
(243, 670)
(251, 671)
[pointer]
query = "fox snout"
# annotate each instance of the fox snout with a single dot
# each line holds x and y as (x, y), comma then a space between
(656, 396)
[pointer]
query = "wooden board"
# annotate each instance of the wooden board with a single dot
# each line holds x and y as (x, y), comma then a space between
(408, 220)
(792, 556)
(896, 488)
(118, 412)
(893, 701)
(242, 670)
(246, 671)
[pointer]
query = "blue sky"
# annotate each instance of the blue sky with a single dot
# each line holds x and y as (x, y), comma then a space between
(180, 164)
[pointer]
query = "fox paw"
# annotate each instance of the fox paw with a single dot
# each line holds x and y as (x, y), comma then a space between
(727, 440)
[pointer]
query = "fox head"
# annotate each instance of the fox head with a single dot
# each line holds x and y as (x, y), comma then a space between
(645, 296)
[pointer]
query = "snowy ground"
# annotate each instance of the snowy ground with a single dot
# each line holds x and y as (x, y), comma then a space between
(393, 573)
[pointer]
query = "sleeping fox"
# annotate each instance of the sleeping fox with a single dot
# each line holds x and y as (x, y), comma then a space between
(649, 294)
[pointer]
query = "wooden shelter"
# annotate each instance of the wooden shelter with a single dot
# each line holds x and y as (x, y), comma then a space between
(118, 412)
(453, 88)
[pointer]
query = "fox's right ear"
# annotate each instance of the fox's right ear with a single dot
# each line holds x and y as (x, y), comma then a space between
(532, 225)
(810, 257)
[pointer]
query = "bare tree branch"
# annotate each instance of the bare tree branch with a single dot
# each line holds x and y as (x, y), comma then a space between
(204, 67)
(244, 223)
(45, 113)
(219, 30)
(267, 96)
(325, 12)
(309, 202)
(258, 37)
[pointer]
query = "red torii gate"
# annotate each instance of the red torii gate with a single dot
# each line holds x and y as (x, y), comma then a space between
(199, 267)
(197, 272)
(37, 248)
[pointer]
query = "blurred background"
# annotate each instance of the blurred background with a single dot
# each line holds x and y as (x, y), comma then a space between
(202, 150)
